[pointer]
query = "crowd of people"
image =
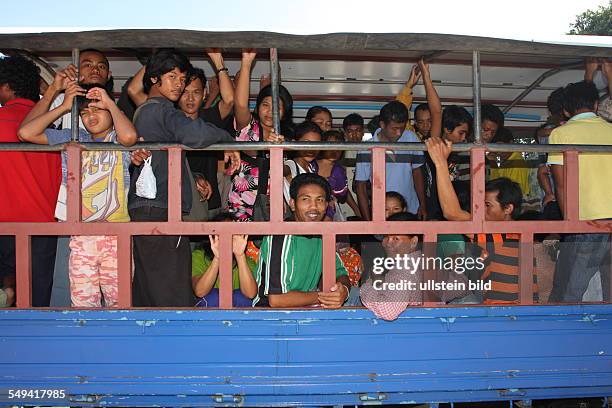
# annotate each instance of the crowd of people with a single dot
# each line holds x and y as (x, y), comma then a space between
(171, 101)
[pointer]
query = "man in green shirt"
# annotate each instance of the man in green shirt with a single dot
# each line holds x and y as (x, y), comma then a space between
(290, 266)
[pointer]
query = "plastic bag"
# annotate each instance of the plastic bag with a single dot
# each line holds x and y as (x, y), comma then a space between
(146, 185)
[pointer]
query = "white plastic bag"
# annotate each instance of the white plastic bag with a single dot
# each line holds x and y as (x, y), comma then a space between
(146, 185)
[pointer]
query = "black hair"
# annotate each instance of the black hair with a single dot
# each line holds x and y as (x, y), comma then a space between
(162, 62)
(394, 112)
(403, 216)
(306, 127)
(398, 197)
(196, 73)
(503, 135)
(81, 101)
(306, 179)
(333, 134)
(554, 103)
(286, 121)
(352, 119)
(421, 107)
(580, 95)
(492, 113)
(373, 124)
(453, 116)
(315, 110)
(508, 192)
(22, 76)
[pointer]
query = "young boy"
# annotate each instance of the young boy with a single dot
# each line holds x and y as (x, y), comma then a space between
(104, 184)
(290, 266)
(162, 273)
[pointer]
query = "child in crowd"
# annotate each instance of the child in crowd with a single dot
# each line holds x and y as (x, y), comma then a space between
(105, 182)
(303, 160)
(321, 116)
(394, 203)
(205, 271)
(328, 166)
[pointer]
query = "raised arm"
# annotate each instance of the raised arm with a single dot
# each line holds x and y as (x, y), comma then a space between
(136, 88)
(61, 81)
(433, 100)
(126, 132)
(405, 95)
(248, 286)
(34, 130)
(243, 84)
(203, 284)
(439, 150)
(226, 88)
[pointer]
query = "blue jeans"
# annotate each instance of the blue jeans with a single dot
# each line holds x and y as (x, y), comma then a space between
(587, 254)
(212, 299)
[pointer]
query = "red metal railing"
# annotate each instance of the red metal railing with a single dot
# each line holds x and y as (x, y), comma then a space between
(276, 225)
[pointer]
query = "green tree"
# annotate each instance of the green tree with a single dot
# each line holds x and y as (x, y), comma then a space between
(594, 22)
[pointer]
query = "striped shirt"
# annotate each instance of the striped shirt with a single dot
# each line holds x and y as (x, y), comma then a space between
(290, 263)
(501, 254)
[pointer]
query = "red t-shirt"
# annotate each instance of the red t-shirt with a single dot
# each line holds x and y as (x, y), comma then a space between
(29, 181)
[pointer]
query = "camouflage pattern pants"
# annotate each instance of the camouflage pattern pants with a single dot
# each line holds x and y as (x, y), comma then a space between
(93, 271)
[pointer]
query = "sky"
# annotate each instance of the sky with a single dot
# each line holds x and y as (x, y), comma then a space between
(545, 20)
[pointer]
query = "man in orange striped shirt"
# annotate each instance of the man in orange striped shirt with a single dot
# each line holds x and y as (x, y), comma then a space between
(503, 199)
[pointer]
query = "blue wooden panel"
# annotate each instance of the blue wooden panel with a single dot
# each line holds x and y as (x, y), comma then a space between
(267, 357)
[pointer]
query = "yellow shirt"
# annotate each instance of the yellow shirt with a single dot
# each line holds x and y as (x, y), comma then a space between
(516, 169)
(595, 169)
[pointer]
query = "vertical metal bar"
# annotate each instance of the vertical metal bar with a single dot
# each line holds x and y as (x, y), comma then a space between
(329, 261)
(175, 202)
(23, 266)
(74, 111)
(429, 250)
(275, 83)
(379, 170)
(476, 94)
(526, 269)
(124, 270)
(225, 271)
(571, 176)
(276, 184)
(73, 180)
(477, 176)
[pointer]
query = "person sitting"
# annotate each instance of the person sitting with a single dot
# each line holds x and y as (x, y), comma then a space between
(387, 303)
(394, 203)
(290, 267)
(503, 199)
(205, 271)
